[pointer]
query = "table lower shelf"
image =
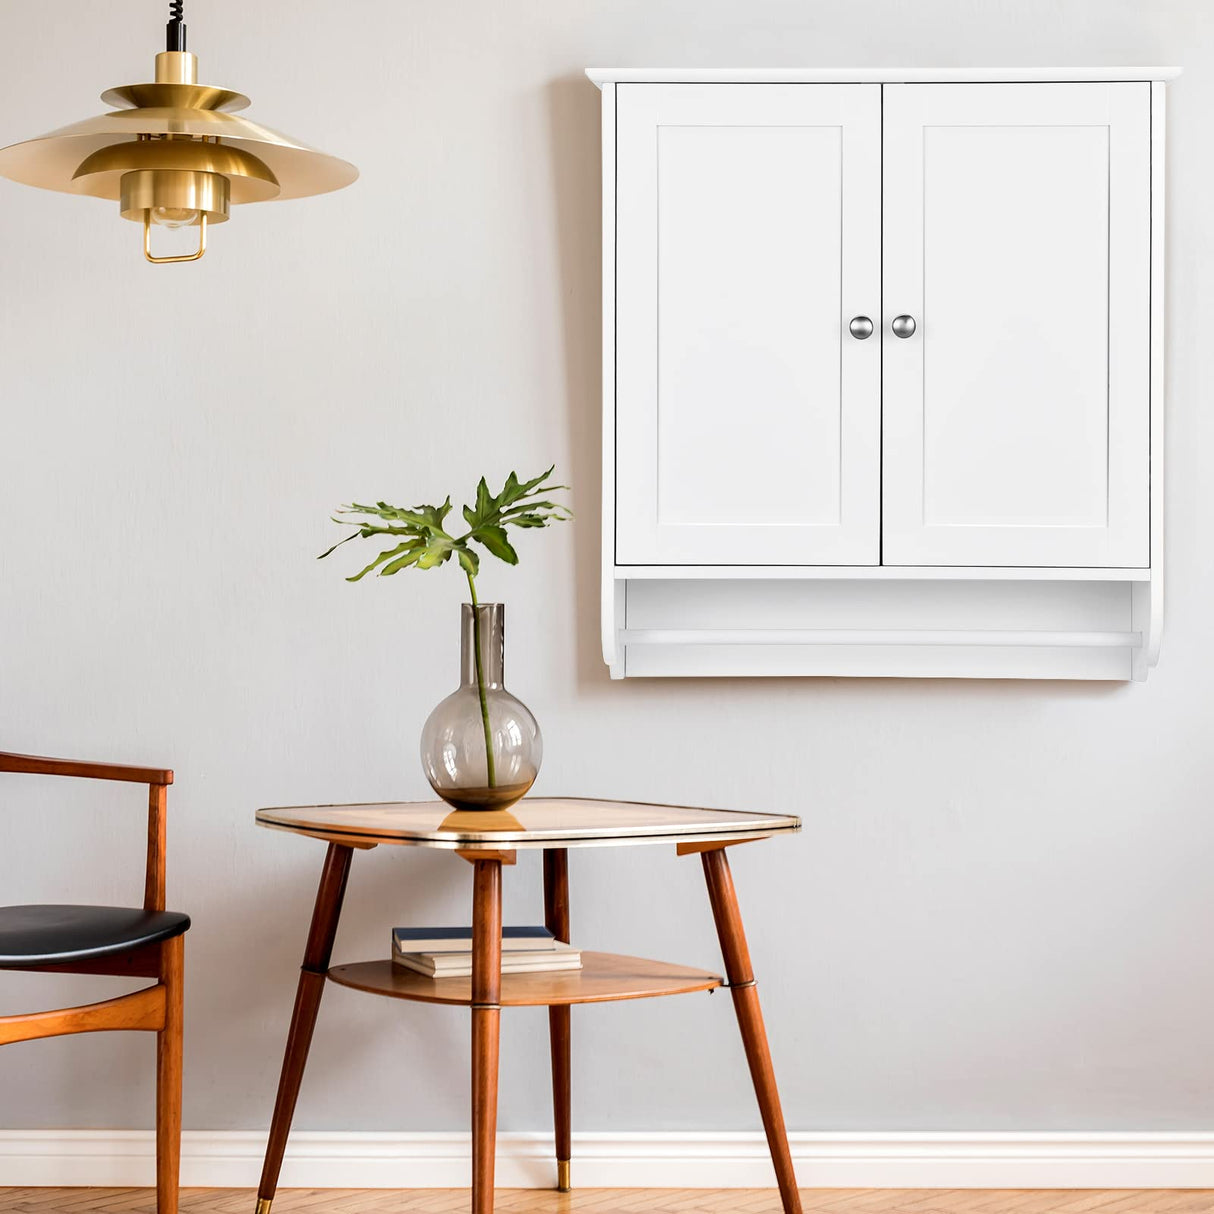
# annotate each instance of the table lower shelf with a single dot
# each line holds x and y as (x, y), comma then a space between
(602, 978)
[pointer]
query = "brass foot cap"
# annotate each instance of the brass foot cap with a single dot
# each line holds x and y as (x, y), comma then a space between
(563, 1184)
(263, 1205)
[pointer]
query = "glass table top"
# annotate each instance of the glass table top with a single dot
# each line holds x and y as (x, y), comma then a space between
(534, 822)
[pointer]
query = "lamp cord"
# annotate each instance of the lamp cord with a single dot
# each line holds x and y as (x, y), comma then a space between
(175, 30)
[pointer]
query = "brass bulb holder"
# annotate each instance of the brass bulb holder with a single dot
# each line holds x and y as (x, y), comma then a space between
(148, 191)
(145, 190)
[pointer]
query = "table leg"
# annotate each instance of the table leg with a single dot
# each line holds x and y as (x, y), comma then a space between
(750, 1019)
(556, 919)
(315, 966)
(486, 1015)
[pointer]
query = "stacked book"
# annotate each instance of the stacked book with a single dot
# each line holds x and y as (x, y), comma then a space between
(446, 952)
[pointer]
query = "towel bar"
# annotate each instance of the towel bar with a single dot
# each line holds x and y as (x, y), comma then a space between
(860, 636)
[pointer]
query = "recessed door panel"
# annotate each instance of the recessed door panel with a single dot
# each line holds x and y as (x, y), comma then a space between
(1017, 239)
(748, 237)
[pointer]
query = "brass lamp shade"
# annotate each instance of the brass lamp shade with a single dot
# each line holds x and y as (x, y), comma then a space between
(50, 161)
(176, 150)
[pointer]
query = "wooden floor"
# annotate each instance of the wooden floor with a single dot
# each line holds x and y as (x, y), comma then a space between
(623, 1201)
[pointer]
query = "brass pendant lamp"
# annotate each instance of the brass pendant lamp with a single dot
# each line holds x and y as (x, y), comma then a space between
(176, 154)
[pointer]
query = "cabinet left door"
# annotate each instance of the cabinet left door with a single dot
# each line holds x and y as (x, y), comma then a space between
(748, 239)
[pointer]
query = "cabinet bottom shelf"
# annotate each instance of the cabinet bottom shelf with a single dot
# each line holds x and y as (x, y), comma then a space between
(603, 977)
(968, 627)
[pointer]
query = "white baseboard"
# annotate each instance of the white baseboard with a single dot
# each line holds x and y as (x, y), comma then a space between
(643, 1160)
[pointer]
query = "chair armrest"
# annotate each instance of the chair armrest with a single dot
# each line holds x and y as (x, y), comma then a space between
(33, 765)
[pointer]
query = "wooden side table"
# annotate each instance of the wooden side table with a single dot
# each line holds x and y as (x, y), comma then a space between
(489, 840)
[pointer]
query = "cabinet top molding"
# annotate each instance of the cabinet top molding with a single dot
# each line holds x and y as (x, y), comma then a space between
(873, 75)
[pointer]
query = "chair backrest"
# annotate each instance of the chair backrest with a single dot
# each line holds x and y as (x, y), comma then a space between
(157, 779)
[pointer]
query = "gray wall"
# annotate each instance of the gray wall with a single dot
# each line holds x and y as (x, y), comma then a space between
(998, 913)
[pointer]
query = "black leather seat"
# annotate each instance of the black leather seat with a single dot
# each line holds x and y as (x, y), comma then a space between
(54, 935)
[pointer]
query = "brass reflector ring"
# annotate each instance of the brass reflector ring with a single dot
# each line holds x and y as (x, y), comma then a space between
(186, 96)
(145, 190)
(250, 178)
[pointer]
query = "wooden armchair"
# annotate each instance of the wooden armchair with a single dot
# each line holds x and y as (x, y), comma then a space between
(140, 942)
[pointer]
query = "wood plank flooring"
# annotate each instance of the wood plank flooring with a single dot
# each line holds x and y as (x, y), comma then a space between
(623, 1201)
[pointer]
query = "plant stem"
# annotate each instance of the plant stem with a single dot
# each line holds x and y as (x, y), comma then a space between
(490, 764)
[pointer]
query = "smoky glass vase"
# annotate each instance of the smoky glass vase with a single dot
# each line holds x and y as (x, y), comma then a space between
(481, 747)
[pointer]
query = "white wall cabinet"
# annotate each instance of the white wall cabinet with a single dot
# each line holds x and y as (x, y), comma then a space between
(883, 372)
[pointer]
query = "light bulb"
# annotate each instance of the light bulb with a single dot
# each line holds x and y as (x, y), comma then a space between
(174, 217)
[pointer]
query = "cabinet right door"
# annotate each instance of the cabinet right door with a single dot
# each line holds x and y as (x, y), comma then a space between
(1017, 245)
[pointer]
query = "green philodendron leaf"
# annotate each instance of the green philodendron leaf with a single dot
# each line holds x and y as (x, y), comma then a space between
(494, 538)
(485, 510)
(409, 547)
(403, 562)
(379, 510)
(543, 476)
(428, 545)
(352, 536)
(485, 501)
(427, 518)
(532, 504)
(434, 555)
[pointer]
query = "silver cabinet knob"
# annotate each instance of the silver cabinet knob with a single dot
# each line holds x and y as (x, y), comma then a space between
(903, 326)
(860, 327)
